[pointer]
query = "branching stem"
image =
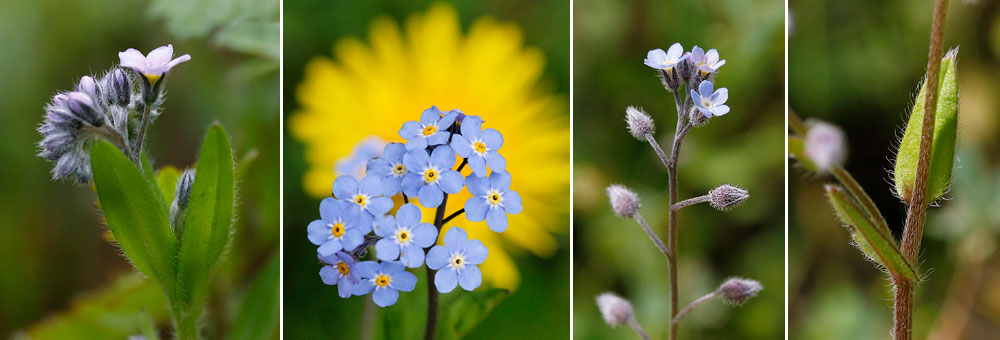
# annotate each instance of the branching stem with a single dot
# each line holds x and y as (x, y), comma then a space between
(684, 312)
(689, 202)
(652, 236)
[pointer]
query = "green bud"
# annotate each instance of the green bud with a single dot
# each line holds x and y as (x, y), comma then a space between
(945, 131)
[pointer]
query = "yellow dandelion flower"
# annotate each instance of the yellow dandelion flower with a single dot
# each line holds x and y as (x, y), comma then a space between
(488, 72)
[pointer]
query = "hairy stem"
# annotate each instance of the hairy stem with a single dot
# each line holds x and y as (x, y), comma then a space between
(684, 312)
(689, 202)
(917, 212)
(672, 221)
(652, 236)
(638, 328)
(141, 135)
(432, 294)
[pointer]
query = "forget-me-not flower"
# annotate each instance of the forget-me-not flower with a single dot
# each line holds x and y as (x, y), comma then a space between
(339, 271)
(479, 146)
(153, 65)
(389, 168)
(337, 228)
(710, 103)
(456, 261)
(431, 175)
(430, 130)
(491, 200)
(404, 237)
(366, 197)
(706, 62)
(386, 279)
(665, 60)
(355, 164)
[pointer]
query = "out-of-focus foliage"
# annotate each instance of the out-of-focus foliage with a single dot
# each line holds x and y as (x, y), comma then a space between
(52, 240)
(537, 308)
(744, 147)
(857, 64)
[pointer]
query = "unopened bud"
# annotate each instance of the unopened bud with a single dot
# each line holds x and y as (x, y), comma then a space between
(640, 125)
(82, 106)
(825, 145)
(615, 310)
(737, 290)
(121, 91)
(727, 196)
(182, 196)
(88, 85)
(697, 118)
(624, 202)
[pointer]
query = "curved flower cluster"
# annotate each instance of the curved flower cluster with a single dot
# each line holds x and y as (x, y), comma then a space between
(695, 70)
(424, 169)
(112, 106)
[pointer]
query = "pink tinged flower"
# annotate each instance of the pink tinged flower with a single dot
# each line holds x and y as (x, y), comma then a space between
(153, 65)
(615, 310)
(826, 146)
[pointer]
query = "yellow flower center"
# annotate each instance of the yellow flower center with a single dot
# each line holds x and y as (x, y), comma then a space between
(343, 268)
(479, 147)
(382, 280)
(493, 197)
(403, 236)
(431, 176)
(337, 229)
(430, 130)
(399, 169)
(457, 261)
(153, 78)
(361, 200)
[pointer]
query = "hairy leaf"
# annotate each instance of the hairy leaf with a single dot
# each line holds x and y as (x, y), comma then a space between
(874, 242)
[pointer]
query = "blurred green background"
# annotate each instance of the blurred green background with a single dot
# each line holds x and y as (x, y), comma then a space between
(538, 308)
(745, 148)
(54, 261)
(857, 64)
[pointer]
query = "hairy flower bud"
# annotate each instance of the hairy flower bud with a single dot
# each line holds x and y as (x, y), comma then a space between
(87, 85)
(82, 106)
(825, 146)
(737, 290)
(118, 83)
(624, 202)
(640, 125)
(727, 196)
(182, 196)
(697, 118)
(615, 310)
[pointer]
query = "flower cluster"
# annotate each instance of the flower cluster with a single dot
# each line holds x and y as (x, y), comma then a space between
(695, 70)
(424, 167)
(116, 106)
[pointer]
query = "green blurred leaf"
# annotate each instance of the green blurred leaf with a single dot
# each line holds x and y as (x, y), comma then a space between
(243, 165)
(257, 317)
(147, 326)
(463, 314)
(873, 242)
(246, 26)
(209, 220)
(945, 131)
(166, 180)
(109, 313)
(796, 149)
(135, 214)
(251, 37)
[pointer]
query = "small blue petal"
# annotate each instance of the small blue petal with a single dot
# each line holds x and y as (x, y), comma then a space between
(430, 196)
(500, 181)
(330, 247)
(418, 143)
(411, 255)
(391, 267)
(366, 269)
(496, 161)
(386, 250)
(394, 152)
(424, 235)
(511, 202)
(318, 232)
(404, 281)
(329, 209)
(705, 88)
(385, 226)
(476, 208)
(445, 280)
(379, 167)
(438, 138)
(695, 98)
(363, 287)
(471, 126)
(437, 257)
(470, 278)
(379, 206)
(345, 288)
(478, 185)
(410, 130)
(478, 165)
(385, 297)
(461, 145)
(455, 237)
(475, 252)
(451, 181)
(720, 96)
(430, 115)
(352, 239)
(408, 215)
(448, 119)
(411, 184)
(493, 139)
(372, 185)
(329, 275)
(443, 157)
(720, 110)
(345, 187)
(496, 219)
(416, 160)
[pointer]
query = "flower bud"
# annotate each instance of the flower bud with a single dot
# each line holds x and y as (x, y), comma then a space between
(825, 145)
(727, 196)
(121, 91)
(686, 70)
(182, 196)
(697, 118)
(82, 106)
(624, 202)
(87, 85)
(615, 310)
(640, 125)
(670, 77)
(737, 290)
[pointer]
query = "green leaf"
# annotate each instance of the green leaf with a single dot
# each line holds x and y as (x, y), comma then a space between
(257, 317)
(872, 241)
(945, 130)
(113, 312)
(135, 214)
(797, 150)
(209, 220)
(463, 314)
(166, 181)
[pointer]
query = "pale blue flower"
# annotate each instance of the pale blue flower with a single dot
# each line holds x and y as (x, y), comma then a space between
(338, 228)
(430, 130)
(431, 175)
(479, 146)
(153, 65)
(664, 60)
(387, 279)
(707, 62)
(491, 200)
(339, 271)
(708, 103)
(354, 164)
(366, 197)
(456, 261)
(390, 168)
(404, 237)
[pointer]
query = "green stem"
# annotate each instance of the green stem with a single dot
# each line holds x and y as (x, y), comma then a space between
(186, 326)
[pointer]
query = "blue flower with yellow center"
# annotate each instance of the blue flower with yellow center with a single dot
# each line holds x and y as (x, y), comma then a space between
(456, 261)
(386, 279)
(431, 175)
(432, 129)
(709, 103)
(337, 228)
(389, 168)
(339, 271)
(491, 200)
(479, 146)
(404, 237)
(365, 197)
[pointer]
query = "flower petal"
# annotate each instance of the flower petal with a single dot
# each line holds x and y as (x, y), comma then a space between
(500, 181)
(329, 275)
(478, 165)
(330, 247)
(720, 110)
(178, 61)
(430, 115)
(456, 237)
(345, 187)
(160, 56)
(451, 181)
(705, 88)
(720, 96)
(438, 138)
(404, 281)
(410, 130)
(674, 51)
(345, 288)
(363, 287)
(478, 185)
(411, 256)
(430, 196)
(416, 160)
(385, 226)
(424, 235)
(408, 215)
(411, 184)
(385, 297)
(394, 152)
(445, 122)
(329, 209)
(476, 208)
(445, 280)
(371, 186)
(511, 202)
(437, 257)
(386, 250)
(366, 269)
(496, 161)
(443, 157)
(461, 145)
(418, 143)
(352, 239)
(470, 278)
(496, 219)
(493, 139)
(475, 252)
(132, 58)
(471, 126)
(379, 205)
(318, 232)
